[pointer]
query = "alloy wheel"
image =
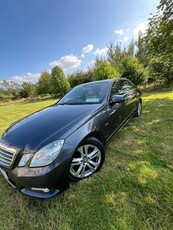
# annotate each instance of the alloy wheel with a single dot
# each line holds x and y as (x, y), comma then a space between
(86, 161)
(139, 108)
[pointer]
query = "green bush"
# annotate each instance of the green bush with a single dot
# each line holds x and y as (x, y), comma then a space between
(105, 71)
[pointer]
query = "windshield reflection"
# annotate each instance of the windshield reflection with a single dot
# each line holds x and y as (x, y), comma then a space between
(92, 93)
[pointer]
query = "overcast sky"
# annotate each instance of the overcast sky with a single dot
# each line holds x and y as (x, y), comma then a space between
(36, 35)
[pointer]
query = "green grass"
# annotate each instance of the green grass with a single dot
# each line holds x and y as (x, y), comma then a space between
(133, 190)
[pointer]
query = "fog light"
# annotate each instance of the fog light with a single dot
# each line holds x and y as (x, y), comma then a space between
(41, 189)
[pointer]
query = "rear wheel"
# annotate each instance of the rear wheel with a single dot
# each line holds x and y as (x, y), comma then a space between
(87, 159)
(139, 109)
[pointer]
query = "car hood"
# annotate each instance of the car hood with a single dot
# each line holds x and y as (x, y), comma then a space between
(49, 124)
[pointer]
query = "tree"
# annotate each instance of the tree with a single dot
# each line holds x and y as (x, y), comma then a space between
(115, 56)
(159, 41)
(10, 90)
(99, 60)
(28, 90)
(134, 71)
(126, 63)
(59, 84)
(80, 77)
(141, 52)
(131, 49)
(43, 86)
(105, 71)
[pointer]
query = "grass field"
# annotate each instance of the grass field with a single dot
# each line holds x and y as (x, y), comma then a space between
(133, 190)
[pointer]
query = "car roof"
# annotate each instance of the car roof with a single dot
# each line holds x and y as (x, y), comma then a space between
(106, 80)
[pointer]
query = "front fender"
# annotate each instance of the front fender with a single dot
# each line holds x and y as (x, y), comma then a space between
(89, 128)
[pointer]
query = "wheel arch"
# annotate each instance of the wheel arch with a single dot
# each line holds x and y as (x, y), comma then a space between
(97, 135)
(140, 99)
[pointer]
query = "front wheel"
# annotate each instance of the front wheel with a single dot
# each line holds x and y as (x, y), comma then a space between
(87, 159)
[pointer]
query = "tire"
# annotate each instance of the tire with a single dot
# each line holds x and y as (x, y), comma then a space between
(87, 159)
(138, 109)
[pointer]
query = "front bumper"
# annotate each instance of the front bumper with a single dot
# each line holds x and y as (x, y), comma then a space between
(43, 182)
(42, 193)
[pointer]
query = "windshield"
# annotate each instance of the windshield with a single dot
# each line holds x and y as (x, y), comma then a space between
(92, 93)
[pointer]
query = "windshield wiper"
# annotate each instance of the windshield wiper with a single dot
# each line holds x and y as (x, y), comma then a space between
(63, 103)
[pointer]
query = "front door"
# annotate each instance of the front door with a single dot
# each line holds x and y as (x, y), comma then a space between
(115, 114)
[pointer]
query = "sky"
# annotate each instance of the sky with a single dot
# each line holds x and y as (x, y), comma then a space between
(36, 35)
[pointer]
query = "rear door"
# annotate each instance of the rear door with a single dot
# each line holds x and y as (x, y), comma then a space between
(129, 90)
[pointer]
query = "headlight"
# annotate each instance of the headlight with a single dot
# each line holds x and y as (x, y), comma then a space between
(47, 154)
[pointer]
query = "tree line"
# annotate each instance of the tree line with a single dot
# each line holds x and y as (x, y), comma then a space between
(149, 59)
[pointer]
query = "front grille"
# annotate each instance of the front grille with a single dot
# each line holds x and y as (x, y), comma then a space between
(6, 158)
(7, 155)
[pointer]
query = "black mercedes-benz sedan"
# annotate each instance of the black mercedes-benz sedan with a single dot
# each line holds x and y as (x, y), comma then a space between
(42, 152)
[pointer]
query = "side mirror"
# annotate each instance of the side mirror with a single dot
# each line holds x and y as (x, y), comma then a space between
(117, 99)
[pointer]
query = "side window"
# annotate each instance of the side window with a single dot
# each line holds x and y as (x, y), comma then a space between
(121, 87)
(116, 87)
(127, 87)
